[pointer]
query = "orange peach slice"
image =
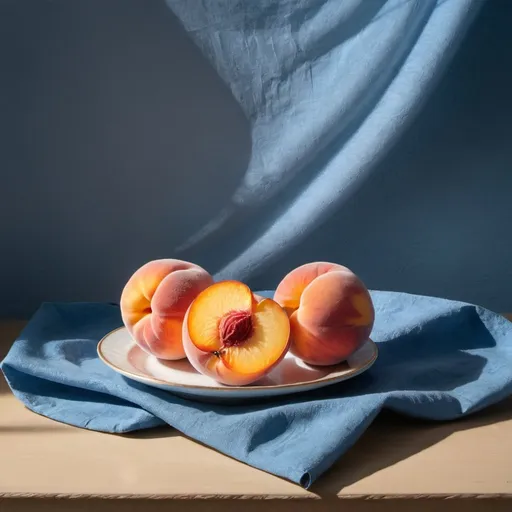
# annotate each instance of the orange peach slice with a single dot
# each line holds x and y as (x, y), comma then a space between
(154, 302)
(234, 336)
(330, 309)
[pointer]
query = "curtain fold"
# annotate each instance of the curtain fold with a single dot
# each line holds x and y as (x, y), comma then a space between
(328, 86)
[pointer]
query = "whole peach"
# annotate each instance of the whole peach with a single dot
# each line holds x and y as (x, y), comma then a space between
(330, 309)
(154, 302)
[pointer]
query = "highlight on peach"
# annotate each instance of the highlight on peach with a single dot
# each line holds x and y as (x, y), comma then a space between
(321, 312)
(330, 309)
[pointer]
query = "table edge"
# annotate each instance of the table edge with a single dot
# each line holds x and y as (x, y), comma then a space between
(258, 497)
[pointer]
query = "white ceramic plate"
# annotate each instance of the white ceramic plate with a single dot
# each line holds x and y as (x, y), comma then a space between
(119, 351)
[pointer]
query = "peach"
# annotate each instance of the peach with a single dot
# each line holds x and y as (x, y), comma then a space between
(330, 309)
(234, 336)
(155, 300)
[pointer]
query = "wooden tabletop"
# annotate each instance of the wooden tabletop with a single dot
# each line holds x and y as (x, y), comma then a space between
(465, 463)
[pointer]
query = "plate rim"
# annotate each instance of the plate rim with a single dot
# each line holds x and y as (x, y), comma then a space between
(135, 376)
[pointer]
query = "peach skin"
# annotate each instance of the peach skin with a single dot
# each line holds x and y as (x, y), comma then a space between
(154, 302)
(234, 336)
(330, 309)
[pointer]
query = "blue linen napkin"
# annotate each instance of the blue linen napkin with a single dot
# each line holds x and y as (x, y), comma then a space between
(439, 359)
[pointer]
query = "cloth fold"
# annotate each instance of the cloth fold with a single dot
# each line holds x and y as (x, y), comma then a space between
(438, 359)
(328, 87)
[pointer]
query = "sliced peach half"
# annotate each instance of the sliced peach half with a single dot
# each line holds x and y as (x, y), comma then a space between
(234, 336)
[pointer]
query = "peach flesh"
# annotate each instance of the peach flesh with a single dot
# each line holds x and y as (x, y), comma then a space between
(233, 336)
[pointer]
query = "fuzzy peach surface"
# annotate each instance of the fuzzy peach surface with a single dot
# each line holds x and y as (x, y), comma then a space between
(155, 300)
(330, 309)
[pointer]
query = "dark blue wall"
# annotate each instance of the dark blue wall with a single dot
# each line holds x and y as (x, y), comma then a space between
(112, 122)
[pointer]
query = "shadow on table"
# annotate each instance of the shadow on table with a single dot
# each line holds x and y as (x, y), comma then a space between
(394, 438)
(4, 387)
(35, 429)
(152, 433)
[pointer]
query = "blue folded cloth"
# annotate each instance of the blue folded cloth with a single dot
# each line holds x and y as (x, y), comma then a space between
(438, 359)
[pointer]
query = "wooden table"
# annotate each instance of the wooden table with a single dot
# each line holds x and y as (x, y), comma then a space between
(398, 465)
